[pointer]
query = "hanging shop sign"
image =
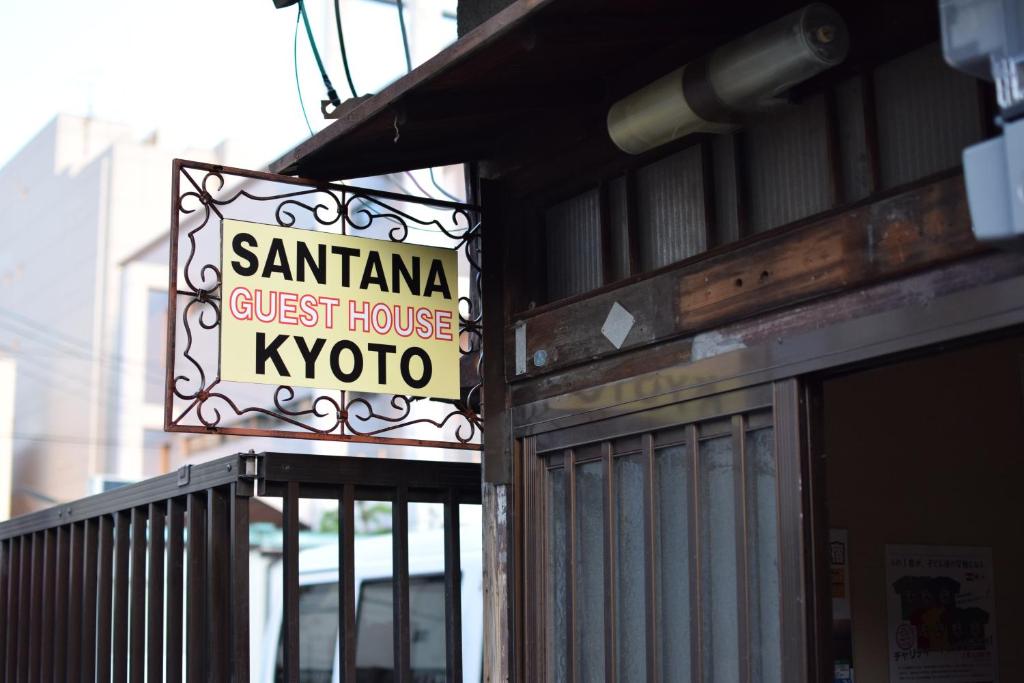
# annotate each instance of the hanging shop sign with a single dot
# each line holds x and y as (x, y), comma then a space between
(941, 606)
(307, 309)
(328, 311)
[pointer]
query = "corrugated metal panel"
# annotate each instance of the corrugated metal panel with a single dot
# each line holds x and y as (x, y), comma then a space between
(573, 234)
(927, 114)
(786, 166)
(618, 222)
(853, 146)
(670, 209)
(723, 150)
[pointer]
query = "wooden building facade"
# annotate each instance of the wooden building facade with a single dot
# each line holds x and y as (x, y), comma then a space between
(675, 340)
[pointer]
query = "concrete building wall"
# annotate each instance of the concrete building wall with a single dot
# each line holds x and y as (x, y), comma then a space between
(75, 200)
(7, 385)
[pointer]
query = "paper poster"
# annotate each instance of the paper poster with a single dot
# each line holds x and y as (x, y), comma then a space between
(941, 605)
(842, 632)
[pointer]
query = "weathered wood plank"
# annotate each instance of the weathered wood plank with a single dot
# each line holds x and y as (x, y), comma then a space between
(496, 578)
(877, 298)
(914, 230)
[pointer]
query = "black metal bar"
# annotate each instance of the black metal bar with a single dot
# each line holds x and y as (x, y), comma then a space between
(189, 479)
(609, 564)
(338, 187)
(88, 599)
(742, 561)
(347, 581)
(74, 632)
(122, 538)
(175, 574)
(400, 583)
(693, 512)
(11, 614)
(5, 558)
(35, 616)
(280, 468)
(24, 604)
(453, 589)
(218, 576)
(239, 583)
(570, 565)
(196, 631)
(46, 639)
(290, 574)
(137, 598)
(155, 589)
(651, 570)
(104, 597)
(60, 617)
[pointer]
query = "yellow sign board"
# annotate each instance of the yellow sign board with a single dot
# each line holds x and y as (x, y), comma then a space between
(314, 309)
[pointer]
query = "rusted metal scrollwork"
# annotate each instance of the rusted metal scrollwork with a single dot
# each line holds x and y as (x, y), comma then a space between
(198, 400)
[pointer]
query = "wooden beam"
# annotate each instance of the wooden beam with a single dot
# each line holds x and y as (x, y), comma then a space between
(918, 228)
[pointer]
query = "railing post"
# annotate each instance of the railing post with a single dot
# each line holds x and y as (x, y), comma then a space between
(290, 574)
(240, 581)
(452, 588)
(400, 583)
(347, 584)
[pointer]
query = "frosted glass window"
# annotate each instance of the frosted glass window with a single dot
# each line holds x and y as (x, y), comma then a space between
(556, 568)
(672, 479)
(763, 553)
(631, 604)
(590, 596)
(720, 642)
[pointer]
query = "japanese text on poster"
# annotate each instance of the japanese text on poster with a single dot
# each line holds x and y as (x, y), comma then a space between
(942, 625)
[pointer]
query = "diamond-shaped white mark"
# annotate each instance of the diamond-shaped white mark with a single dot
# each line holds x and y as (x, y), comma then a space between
(617, 325)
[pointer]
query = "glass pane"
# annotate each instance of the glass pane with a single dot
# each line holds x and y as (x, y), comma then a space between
(557, 599)
(672, 478)
(720, 641)
(763, 552)
(374, 630)
(374, 642)
(318, 634)
(631, 604)
(589, 615)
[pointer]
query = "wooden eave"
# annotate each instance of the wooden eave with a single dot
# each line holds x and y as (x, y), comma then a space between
(541, 71)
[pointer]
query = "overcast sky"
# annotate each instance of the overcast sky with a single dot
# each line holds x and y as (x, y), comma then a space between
(199, 71)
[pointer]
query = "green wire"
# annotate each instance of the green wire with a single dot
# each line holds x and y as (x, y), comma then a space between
(341, 42)
(295, 61)
(405, 35)
(331, 94)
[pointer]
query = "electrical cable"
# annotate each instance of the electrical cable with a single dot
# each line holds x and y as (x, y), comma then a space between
(341, 42)
(405, 35)
(332, 95)
(295, 62)
(418, 186)
(440, 189)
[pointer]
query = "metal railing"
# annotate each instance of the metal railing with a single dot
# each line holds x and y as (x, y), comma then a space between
(150, 582)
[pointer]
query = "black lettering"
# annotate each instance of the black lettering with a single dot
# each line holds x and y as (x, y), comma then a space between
(318, 265)
(373, 273)
(310, 354)
(357, 361)
(436, 280)
(412, 279)
(424, 379)
(264, 353)
(345, 253)
(238, 244)
(382, 351)
(277, 260)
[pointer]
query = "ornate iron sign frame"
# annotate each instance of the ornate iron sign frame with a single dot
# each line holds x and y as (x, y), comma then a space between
(197, 400)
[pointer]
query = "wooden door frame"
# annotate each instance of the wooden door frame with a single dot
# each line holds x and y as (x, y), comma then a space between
(788, 365)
